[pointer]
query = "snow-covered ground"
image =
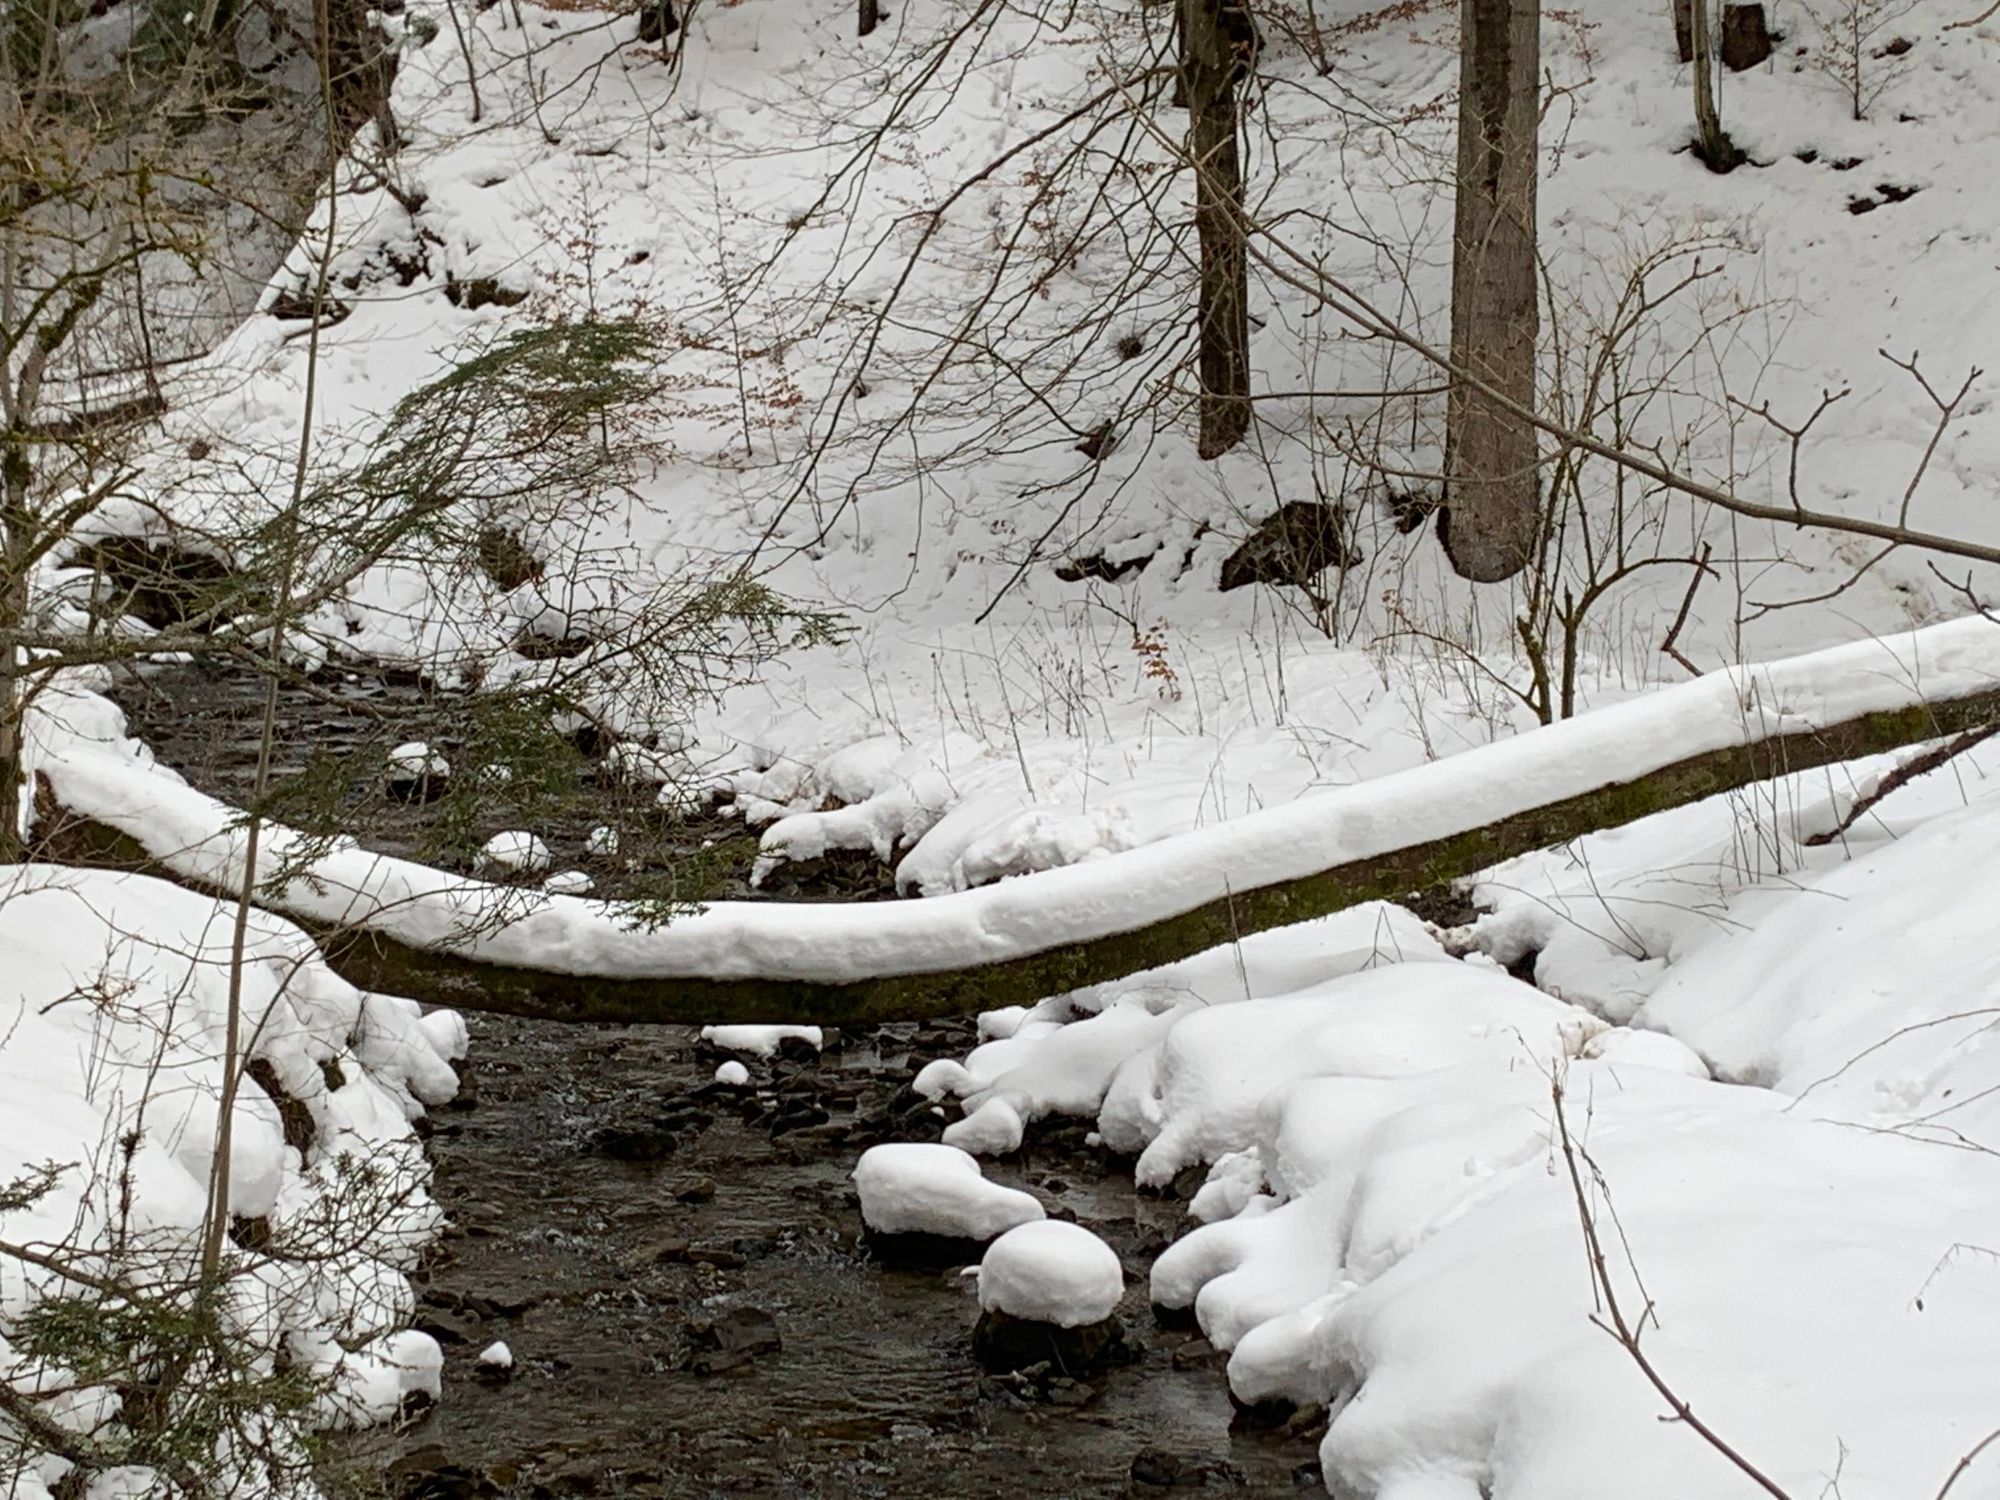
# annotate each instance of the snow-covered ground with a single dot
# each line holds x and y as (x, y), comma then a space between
(1775, 1060)
(988, 717)
(114, 1010)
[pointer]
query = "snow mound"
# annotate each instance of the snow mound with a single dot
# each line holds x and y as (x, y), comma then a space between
(910, 1187)
(1051, 1272)
(760, 1041)
(1216, 1068)
(496, 1356)
(569, 883)
(514, 852)
(116, 995)
(733, 1074)
(994, 1129)
(417, 761)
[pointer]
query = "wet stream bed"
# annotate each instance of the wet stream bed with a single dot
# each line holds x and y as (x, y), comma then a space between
(614, 1209)
(678, 1268)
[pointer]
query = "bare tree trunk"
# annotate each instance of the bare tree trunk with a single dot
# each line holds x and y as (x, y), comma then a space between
(14, 531)
(1712, 143)
(871, 16)
(1493, 488)
(1213, 45)
(16, 478)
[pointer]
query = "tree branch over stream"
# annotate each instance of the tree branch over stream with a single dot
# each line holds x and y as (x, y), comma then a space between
(403, 928)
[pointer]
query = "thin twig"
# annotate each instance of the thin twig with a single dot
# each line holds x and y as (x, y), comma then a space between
(1621, 1330)
(1917, 765)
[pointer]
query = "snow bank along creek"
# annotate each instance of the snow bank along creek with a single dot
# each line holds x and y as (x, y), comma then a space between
(677, 1266)
(1343, 1172)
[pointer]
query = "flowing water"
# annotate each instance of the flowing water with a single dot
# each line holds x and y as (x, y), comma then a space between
(617, 1214)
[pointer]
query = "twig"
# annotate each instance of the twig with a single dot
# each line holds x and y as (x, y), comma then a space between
(1902, 776)
(1670, 645)
(1621, 1330)
(1958, 1472)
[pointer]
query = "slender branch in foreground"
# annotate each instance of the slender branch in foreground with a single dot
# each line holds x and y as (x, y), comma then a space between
(1618, 1326)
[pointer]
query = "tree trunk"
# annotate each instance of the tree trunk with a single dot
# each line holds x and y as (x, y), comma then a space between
(15, 477)
(870, 15)
(1411, 834)
(1712, 143)
(1492, 486)
(1211, 62)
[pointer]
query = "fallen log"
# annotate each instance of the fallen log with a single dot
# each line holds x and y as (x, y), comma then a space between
(391, 925)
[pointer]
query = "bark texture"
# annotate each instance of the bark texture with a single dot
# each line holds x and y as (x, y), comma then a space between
(1493, 489)
(1216, 46)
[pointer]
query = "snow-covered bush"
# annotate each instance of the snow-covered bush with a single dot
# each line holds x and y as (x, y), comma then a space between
(183, 1304)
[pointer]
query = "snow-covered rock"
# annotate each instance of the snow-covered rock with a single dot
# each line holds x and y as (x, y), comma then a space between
(416, 770)
(514, 852)
(994, 1129)
(496, 1359)
(602, 841)
(760, 1041)
(910, 1187)
(569, 883)
(1051, 1272)
(733, 1074)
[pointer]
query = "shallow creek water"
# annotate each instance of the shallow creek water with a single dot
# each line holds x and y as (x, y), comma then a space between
(611, 1203)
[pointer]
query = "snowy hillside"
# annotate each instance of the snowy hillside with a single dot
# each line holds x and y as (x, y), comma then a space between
(1670, 1174)
(767, 195)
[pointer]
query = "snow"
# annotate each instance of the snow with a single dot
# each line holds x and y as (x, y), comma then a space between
(496, 1356)
(115, 993)
(569, 883)
(602, 841)
(1049, 1271)
(514, 851)
(732, 1073)
(910, 1187)
(197, 837)
(1036, 737)
(761, 1041)
(1386, 1225)
(993, 1129)
(417, 761)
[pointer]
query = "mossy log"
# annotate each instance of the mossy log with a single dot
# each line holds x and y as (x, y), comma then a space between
(378, 962)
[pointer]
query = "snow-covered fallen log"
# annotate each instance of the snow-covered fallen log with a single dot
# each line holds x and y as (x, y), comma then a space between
(420, 931)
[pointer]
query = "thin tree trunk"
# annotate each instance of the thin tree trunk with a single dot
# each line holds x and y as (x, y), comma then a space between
(1493, 488)
(16, 475)
(870, 16)
(1210, 63)
(1712, 142)
(14, 481)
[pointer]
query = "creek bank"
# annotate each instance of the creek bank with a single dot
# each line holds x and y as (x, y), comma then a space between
(679, 1271)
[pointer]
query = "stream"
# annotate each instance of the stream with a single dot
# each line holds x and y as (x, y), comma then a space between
(678, 1268)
